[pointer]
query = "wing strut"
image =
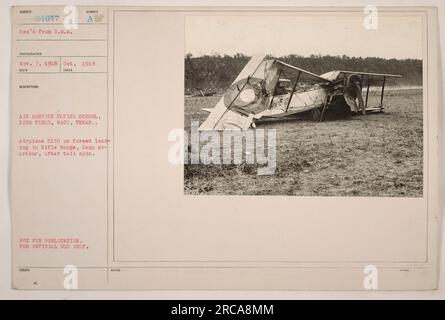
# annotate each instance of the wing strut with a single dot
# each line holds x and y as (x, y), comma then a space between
(383, 90)
(367, 93)
(293, 90)
(325, 105)
(275, 89)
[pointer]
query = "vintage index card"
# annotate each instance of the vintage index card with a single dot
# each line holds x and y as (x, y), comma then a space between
(224, 148)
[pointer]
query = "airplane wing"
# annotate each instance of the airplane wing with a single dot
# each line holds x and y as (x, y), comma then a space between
(252, 68)
(306, 75)
(232, 120)
(371, 74)
(378, 94)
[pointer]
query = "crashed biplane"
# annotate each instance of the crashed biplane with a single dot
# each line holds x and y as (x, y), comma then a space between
(271, 89)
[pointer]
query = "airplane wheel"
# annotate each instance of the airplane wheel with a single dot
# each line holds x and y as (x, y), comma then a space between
(316, 114)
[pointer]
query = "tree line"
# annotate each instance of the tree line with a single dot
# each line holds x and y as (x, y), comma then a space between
(217, 72)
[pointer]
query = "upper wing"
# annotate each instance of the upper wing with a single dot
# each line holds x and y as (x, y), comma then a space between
(308, 76)
(371, 74)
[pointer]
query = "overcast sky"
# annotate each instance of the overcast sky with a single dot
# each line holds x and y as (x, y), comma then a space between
(396, 37)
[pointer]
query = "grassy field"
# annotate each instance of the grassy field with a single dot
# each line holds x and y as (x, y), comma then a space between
(374, 155)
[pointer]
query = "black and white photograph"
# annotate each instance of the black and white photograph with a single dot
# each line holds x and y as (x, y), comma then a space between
(302, 105)
(222, 151)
